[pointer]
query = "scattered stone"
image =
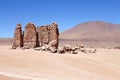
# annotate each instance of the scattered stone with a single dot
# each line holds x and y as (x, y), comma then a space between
(81, 46)
(60, 50)
(43, 48)
(38, 49)
(83, 50)
(94, 51)
(74, 52)
(26, 47)
(53, 43)
(90, 51)
(67, 48)
(53, 49)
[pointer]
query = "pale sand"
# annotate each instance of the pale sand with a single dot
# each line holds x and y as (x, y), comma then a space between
(8, 78)
(36, 65)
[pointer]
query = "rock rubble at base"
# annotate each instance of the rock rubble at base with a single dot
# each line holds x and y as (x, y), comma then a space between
(67, 48)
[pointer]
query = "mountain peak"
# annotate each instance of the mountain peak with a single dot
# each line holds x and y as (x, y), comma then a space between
(92, 29)
(97, 22)
(94, 32)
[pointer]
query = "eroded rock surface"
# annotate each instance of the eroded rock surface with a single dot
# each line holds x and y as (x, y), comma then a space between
(47, 35)
(30, 36)
(18, 38)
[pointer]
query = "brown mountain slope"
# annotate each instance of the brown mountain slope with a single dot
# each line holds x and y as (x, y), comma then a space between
(97, 31)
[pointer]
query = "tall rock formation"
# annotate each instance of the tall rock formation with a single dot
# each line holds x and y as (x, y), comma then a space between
(30, 36)
(43, 35)
(18, 38)
(48, 35)
(54, 34)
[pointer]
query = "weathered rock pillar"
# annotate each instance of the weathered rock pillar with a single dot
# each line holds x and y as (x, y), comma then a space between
(54, 34)
(30, 37)
(43, 35)
(18, 38)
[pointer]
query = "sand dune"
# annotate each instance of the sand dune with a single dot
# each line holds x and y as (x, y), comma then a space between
(36, 65)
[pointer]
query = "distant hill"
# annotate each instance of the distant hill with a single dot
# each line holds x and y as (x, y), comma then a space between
(94, 33)
(5, 41)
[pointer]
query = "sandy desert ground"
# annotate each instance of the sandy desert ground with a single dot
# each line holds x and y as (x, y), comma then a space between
(36, 65)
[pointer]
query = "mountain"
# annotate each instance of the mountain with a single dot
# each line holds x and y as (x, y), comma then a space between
(95, 31)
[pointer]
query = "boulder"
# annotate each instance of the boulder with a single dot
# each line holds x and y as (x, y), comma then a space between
(75, 52)
(53, 43)
(60, 50)
(53, 49)
(83, 50)
(18, 38)
(92, 51)
(78, 46)
(30, 37)
(67, 48)
(38, 48)
(43, 48)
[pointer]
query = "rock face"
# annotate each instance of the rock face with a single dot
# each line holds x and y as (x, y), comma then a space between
(18, 38)
(48, 35)
(30, 36)
(54, 34)
(43, 35)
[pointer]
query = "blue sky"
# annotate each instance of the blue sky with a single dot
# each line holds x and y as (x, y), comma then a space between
(67, 13)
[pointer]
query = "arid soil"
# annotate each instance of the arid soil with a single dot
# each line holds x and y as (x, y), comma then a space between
(8, 78)
(37, 65)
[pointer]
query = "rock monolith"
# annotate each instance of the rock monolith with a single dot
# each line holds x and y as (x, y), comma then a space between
(30, 36)
(54, 34)
(18, 38)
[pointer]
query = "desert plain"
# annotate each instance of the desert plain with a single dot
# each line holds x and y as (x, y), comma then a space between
(38, 65)
(28, 64)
